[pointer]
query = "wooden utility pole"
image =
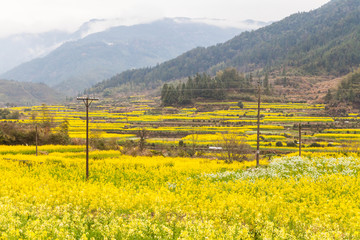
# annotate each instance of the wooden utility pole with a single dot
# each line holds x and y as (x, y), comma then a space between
(87, 101)
(36, 138)
(300, 139)
(258, 128)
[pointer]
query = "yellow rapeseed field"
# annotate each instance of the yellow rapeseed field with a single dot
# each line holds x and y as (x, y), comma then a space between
(47, 197)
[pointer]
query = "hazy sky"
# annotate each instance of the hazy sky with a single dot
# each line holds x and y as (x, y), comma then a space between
(43, 15)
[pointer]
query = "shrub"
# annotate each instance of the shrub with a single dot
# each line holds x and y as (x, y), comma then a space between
(291, 144)
(240, 104)
(279, 144)
(315, 144)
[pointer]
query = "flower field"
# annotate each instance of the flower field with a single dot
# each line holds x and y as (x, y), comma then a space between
(141, 197)
(168, 126)
(47, 197)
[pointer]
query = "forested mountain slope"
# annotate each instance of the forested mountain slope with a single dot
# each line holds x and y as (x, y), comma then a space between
(322, 41)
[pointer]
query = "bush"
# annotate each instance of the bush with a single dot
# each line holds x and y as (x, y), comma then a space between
(315, 145)
(240, 104)
(279, 144)
(58, 138)
(291, 144)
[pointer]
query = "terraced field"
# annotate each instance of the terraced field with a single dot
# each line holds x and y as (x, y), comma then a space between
(166, 127)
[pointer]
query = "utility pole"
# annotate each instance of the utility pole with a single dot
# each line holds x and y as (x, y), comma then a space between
(258, 128)
(36, 138)
(87, 101)
(300, 139)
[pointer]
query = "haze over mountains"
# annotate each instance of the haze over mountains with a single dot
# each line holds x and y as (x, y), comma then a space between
(325, 41)
(23, 47)
(322, 42)
(85, 59)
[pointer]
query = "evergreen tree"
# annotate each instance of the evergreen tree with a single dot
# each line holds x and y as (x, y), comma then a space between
(164, 91)
(266, 81)
(328, 97)
(202, 86)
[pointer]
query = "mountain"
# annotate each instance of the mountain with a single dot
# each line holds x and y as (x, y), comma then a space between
(23, 47)
(20, 48)
(26, 94)
(77, 65)
(322, 41)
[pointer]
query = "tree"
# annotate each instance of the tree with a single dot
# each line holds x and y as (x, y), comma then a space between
(234, 148)
(64, 126)
(203, 86)
(46, 118)
(171, 96)
(266, 84)
(193, 143)
(349, 90)
(142, 141)
(240, 104)
(266, 80)
(164, 91)
(328, 97)
(7, 114)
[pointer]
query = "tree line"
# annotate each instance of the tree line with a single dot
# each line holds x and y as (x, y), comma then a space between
(206, 87)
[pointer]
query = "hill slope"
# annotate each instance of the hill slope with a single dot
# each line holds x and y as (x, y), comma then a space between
(26, 94)
(323, 41)
(79, 64)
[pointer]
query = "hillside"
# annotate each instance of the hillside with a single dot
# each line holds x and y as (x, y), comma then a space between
(26, 94)
(79, 64)
(320, 42)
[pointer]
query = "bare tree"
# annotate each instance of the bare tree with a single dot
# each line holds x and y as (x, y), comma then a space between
(234, 148)
(142, 141)
(194, 142)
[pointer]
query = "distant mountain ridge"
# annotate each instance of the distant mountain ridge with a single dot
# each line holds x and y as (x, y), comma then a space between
(27, 94)
(20, 48)
(23, 47)
(79, 64)
(322, 41)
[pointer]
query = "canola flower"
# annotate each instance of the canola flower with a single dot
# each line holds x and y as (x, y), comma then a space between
(337, 136)
(297, 119)
(285, 106)
(113, 122)
(343, 130)
(21, 149)
(47, 197)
